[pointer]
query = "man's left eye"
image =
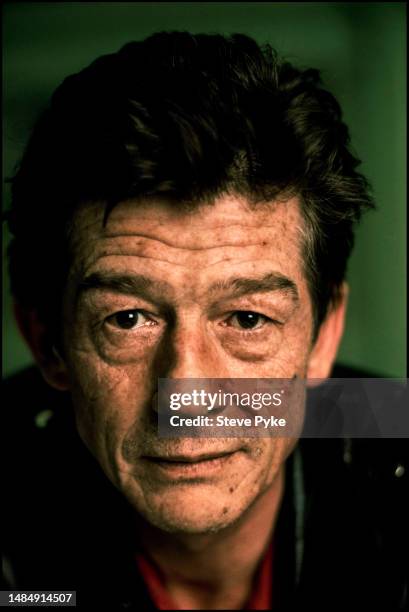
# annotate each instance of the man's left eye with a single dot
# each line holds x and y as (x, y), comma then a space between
(128, 319)
(247, 319)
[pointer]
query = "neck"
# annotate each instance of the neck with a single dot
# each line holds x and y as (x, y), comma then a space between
(210, 571)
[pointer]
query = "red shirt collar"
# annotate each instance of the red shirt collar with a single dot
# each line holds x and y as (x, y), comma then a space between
(260, 598)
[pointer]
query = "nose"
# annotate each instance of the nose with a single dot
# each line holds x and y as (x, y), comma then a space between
(189, 351)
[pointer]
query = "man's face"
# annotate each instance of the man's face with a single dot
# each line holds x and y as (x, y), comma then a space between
(164, 293)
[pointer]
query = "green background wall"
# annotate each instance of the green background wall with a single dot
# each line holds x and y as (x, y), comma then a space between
(360, 48)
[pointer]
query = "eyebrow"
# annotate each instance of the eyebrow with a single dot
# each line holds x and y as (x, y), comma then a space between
(138, 284)
(269, 282)
(128, 284)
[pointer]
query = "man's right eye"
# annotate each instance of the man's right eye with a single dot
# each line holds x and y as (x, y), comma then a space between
(129, 319)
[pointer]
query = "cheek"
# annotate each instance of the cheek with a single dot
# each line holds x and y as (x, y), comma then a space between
(282, 355)
(268, 456)
(293, 351)
(274, 453)
(253, 350)
(107, 400)
(100, 383)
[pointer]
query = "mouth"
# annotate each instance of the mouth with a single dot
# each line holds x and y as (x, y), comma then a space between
(190, 466)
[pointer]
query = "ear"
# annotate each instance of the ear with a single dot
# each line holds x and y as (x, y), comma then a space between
(38, 337)
(325, 349)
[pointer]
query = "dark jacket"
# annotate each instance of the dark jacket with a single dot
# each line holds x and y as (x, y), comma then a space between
(341, 540)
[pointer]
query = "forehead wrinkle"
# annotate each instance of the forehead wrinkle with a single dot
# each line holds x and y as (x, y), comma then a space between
(88, 260)
(114, 241)
(133, 255)
(116, 228)
(183, 247)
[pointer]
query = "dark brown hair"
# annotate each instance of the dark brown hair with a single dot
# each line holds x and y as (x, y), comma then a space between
(188, 118)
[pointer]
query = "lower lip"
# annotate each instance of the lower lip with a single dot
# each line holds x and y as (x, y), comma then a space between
(197, 469)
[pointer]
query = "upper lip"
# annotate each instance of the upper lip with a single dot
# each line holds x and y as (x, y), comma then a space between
(190, 458)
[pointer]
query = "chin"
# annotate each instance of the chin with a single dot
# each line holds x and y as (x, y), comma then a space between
(190, 509)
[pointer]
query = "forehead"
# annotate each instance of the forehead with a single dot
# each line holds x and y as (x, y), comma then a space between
(211, 238)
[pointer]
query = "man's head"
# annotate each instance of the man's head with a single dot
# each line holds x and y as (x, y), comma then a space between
(183, 209)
